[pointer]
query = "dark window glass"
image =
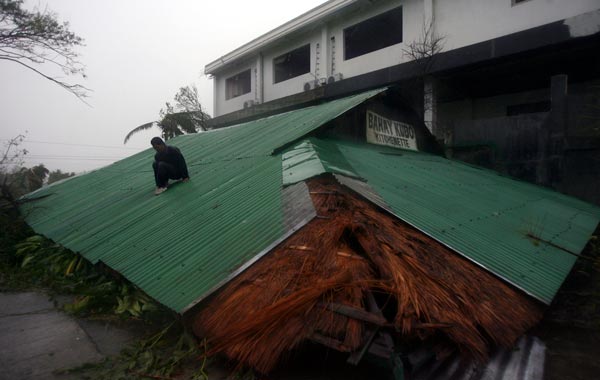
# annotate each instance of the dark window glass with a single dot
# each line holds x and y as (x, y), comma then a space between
(237, 85)
(373, 34)
(520, 109)
(292, 64)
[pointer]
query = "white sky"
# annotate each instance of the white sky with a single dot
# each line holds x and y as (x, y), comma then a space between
(138, 54)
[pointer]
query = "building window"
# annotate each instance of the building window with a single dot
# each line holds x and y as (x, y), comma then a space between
(520, 109)
(292, 64)
(373, 34)
(238, 85)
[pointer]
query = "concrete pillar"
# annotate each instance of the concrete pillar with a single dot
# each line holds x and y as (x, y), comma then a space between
(552, 136)
(430, 104)
(558, 100)
(259, 76)
(325, 65)
(429, 85)
(215, 96)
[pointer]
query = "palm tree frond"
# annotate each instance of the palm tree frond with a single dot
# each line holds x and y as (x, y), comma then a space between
(138, 129)
(191, 121)
(183, 120)
(186, 116)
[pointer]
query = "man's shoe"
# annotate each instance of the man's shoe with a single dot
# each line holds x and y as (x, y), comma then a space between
(160, 190)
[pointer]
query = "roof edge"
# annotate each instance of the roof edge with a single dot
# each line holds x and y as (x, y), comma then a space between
(372, 197)
(247, 264)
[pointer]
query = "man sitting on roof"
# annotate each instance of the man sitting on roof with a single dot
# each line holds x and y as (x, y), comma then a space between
(168, 164)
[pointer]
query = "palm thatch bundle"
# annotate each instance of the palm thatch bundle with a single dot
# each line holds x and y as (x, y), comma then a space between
(427, 292)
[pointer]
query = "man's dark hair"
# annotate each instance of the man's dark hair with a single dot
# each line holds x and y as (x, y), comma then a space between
(157, 141)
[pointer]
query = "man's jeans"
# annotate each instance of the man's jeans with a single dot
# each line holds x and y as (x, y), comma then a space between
(163, 172)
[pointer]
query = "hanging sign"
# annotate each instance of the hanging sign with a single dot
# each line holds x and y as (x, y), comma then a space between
(382, 131)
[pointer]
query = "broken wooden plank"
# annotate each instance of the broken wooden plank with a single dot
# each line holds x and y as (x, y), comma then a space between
(356, 313)
(329, 342)
(356, 356)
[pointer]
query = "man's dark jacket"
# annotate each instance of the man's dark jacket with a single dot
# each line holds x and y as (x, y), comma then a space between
(173, 156)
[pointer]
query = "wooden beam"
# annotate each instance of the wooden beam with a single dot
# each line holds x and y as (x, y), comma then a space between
(356, 313)
(329, 342)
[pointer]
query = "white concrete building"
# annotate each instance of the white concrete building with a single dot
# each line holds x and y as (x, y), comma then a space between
(344, 39)
(515, 86)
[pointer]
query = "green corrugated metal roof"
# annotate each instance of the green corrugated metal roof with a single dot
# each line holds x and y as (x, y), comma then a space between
(480, 214)
(307, 159)
(182, 245)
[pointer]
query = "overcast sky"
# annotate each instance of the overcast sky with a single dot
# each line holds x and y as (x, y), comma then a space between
(138, 54)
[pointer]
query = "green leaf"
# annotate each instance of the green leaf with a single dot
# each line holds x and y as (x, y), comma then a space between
(122, 306)
(27, 260)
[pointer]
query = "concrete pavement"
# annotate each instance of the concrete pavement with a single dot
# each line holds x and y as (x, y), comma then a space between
(36, 339)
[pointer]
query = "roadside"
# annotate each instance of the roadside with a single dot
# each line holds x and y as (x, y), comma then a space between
(40, 341)
(37, 340)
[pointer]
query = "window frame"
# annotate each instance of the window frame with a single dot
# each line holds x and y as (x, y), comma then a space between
(298, 50)
(247, 72)
(366, 25)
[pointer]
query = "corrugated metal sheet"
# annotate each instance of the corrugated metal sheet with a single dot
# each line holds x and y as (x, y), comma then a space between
(264, 136)
(524, 362)
(306, 160)
(176, 246)
(297, 205)
(364, 189)
(187, 242)
(528, 235)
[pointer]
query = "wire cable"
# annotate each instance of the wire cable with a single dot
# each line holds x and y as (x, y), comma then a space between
(82, 145)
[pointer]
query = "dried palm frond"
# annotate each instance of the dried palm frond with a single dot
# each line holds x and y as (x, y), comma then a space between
(354, 248)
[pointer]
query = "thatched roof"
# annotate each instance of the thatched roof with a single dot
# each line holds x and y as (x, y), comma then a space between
(426, 292)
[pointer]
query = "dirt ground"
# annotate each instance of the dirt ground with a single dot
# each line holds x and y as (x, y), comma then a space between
(571, 352)
(571, 326)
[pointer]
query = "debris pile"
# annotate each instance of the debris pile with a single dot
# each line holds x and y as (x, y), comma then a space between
(354, 267)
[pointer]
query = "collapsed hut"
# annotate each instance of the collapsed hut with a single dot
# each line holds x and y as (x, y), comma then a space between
(354, 272)
(338, 223)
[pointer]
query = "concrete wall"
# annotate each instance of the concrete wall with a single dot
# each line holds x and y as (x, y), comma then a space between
(507, 144)
(489, 107)
(221, 105)
(294, 85)
(465, 22)
(412, 14)
(584, 109)
(558, 149)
